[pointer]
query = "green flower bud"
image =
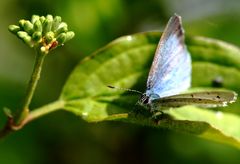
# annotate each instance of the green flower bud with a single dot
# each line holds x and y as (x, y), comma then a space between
(69, 35)
(49, 36)
(28, 41)
(21, 23)
(61, 38)
(37, 36)
(34, 18)
(49, 17)
(28, 27)
(25, 37)
(22, 34)
(14, 29)
(47, 25)
(42, 19)
(56, 21)
(37, 26)
(7, 112)
(62, 28)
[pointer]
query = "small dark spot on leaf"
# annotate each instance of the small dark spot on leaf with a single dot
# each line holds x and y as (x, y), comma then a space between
(200, 99)
(218, 97)
(217, 82)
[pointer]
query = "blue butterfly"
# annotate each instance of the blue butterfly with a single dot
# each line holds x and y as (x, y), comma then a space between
(170, 74)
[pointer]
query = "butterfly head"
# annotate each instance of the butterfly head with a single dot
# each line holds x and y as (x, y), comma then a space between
(146, 99)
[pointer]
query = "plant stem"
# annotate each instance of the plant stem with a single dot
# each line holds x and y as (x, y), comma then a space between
(31, 87)
(6, 129)
(36, 113)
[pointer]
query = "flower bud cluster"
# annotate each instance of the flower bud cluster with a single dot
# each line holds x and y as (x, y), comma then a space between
(45, 33)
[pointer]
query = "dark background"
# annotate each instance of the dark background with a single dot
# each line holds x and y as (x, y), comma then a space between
(63, 138)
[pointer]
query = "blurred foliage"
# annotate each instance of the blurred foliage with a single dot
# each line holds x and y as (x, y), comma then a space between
(96, 22)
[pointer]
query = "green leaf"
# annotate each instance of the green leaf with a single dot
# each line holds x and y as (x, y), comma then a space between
(126, 61)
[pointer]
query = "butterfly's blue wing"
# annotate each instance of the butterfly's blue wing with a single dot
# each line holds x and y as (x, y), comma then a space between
(170, 72)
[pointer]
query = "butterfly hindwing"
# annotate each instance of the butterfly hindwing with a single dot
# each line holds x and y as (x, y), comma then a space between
(170, 72)
(202, 99)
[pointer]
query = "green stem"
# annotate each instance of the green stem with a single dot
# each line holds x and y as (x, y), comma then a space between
(36, 113)
(31, 87)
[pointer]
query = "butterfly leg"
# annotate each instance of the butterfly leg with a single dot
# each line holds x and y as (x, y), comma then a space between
(157, 116)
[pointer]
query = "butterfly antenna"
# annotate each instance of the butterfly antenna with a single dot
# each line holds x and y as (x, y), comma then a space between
(125, 89)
